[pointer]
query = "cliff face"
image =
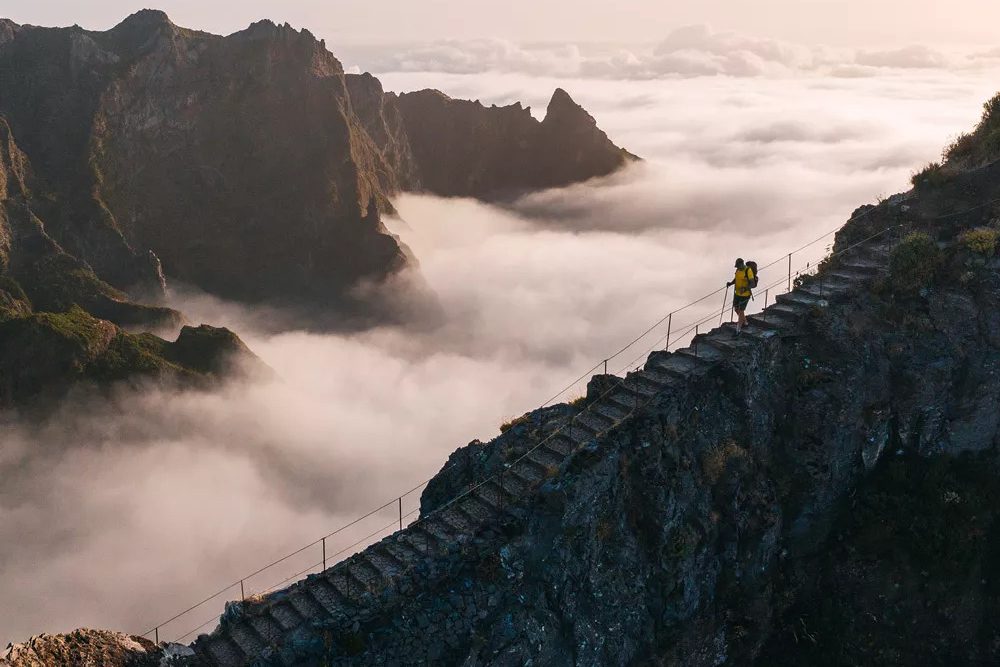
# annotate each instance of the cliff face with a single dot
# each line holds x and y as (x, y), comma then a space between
(251, 165)
(818, 490)
(61, 325)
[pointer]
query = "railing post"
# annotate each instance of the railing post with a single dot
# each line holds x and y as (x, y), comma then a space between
(789, 272)
(696, 327)
(243, 595)
(157, 631)
(401, 512)
(764, 311)
(500, 494)
(605, 366)
(725, 297)
(324, 553)
(670, 321)
(636, 388)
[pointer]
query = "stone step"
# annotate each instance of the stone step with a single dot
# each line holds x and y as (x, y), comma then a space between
(634, 383)
(594, 421)
(246, 638)
(792, 308)
(647, 384)
(735, 346)
(306, 604)
(458, 523)
(361, 568)
(772, 323)
(790, 314)
(339, 591)
(481, 508)
(439, 530)
(286, 615)
(868, 267)
(680, 366)
(665, 380)
(703, 350)
(224, 651)
(546, 457)
(402, 551)
(610, 410)
(529, 470)
(577, 423)
(800, 298)
(849, 275)
(420, 540)
(270, 631)
(827, 290)
(561, 442)
(489, 493)
(598, 417)
(386, 562)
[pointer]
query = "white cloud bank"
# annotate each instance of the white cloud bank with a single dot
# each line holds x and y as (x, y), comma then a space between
(118, 514)
(689, 51)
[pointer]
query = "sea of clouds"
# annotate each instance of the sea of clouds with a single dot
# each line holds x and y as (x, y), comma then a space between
(118, 513)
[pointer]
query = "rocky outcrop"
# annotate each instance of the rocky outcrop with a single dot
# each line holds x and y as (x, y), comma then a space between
(248, 164)
(42, 355)
(61, 326)
(746, 500)
(462, 148)
(80, 648)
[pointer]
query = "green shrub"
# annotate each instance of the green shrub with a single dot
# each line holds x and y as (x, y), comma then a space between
(983, 143)
(513, 422)
(980, 241)
(963, 146)
(914, 263)
(932, 175)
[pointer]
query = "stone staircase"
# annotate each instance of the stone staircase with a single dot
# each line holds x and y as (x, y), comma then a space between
(341, 594)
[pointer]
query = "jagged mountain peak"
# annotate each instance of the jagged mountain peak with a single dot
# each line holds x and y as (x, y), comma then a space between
(562, 108)
(145, 19)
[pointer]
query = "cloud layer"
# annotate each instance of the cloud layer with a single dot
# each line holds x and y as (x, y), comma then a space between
(117, 513)
(689, 51)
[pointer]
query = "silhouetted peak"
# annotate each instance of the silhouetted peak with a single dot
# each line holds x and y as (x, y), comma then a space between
(145, 19)
(563, 109)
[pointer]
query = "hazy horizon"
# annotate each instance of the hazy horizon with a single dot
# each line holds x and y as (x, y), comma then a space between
(884, 23)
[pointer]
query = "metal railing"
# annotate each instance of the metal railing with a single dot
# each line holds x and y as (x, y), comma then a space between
(674, 336)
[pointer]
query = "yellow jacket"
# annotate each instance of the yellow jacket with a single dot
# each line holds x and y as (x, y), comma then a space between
(742, 281)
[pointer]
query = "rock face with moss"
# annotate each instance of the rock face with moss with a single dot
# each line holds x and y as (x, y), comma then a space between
(251, 165)
(819, 490)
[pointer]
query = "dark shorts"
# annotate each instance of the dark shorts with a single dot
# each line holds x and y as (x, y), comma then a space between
(740, 303)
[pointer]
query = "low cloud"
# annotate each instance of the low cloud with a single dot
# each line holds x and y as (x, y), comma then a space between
(126, 509)
(907, 58)
(688, 51)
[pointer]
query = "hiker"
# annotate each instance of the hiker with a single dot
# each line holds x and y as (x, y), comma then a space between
(744, 280)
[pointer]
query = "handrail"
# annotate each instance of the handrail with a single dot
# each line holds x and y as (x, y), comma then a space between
(155, 629)
(680, 337)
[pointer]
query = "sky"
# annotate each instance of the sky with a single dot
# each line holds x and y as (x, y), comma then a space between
(882, 23)
(755, 140)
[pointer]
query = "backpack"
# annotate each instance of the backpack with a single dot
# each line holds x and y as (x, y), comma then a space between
(752, 266)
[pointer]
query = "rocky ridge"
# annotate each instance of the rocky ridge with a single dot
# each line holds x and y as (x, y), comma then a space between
(252, 165)
(248, 166)
(819, 490)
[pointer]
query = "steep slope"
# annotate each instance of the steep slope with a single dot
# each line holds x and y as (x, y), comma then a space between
(250, 164)
(681, 515)
(62, 326)
(817, 490)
